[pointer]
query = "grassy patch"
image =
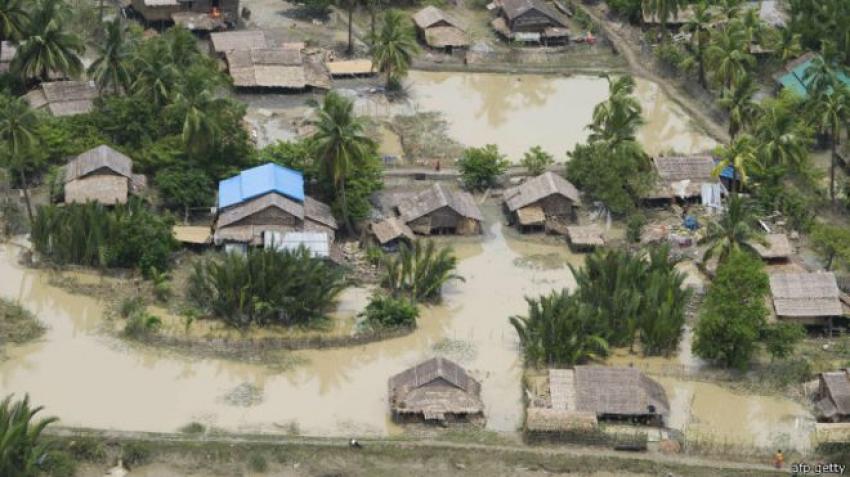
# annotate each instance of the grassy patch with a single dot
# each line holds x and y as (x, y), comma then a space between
(17, 325)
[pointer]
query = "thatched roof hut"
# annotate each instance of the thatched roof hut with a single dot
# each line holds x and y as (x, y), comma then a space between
(436, 390)
(618, 392)
(777, 247)
(222, 42)
(439, 210)
(439, 30)
(358, 67)
(390, 230)
(281, 68)
(682, 176)
(545, 419)
(529, 20)
(832, 400)
(102, 175)
(585, 236)
(192, 234)
(543, 197)
(805, 295)
(64, 98)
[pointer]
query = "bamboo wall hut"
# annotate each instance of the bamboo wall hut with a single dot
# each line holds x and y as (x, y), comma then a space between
(101, 175)
(682, 176)
(389, 233)
(832, 400)
(435, 390)
(278, 68)
(439, 30)
(268, 199)
(530, 21)
(437, 210)
(203, 15)
(547, 197)
(245, 40)
(806, 298)
(776, 248)
(64, 98)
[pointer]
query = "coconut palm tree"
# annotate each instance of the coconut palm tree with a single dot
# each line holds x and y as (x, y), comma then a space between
(618, 118)
(832, 113)
(741, 155)
(738, 102)
(196, 103)
(13, 21)
(17, 131)
(734, 230)
(111, 68)
(699, 26)
(340, 143)
(782, 136)
(822, 76)
(156, 75)
(393, 46)
(727, 55)
(48, 46)
(21, 447)
(789, 45)
(729, 9)
(662, 10)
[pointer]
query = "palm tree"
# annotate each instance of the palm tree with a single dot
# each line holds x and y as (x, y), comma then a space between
(729, 9)
(21, 448)
(111, 68)
(340, 143)
(741, 156)
(727, 55)
(733, 231)
(156, 75)
(17, 130)
(195, 101)
(822, 76)
(789, 45)
(783, 138)
(662, 10)
(13, 21)
(699, 26)
(394, 46)
(618, 118)
(832, 111)
(49, 47)
(419, 271)
(738, 101)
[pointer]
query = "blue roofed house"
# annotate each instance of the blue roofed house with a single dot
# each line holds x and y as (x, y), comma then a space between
(259, 206)
(793, 75)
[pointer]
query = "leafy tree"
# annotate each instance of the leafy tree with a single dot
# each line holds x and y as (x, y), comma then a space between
(734, 312)
(481, 166)
(386, 312)
(700, 26)
(739, 103)
(22, 448)
(832, 242)
(111, 67)
(318, 7)
(17, 132)
(341, 145)
(780, 338)
(62, 137)
(393, 46)
(419, 272)
(48, 46)
(184, 188)
(298, 155)
(734, 231)
(13, 21)
(536, 161)
(616, 176)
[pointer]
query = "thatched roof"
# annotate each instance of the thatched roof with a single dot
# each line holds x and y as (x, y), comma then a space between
(64, 98)
(531, 215)
(194, 234)
(805, 294)
(586, 235)
(543, 419)
(432, 16)
(538, 188)
(316, 73)
(696, 168)
(516, 8)
(350, 67)
(436, 197)
(319, 212)
(267, 68)
(311, 209)
(435, 388)
(100, 159)
(223, 42)
(197, 21)
(618, 391)
(777, 246)
(390, 229)
(837, 383)
(445, 36)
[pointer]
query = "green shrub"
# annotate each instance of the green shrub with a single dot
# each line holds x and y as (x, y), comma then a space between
(193, 428)
(670, 54)
(387, 312)
(130, 306)
(17, 324)
(419, 272)
(257, 463)
(634, 227)
(481, 166)
(60, 464)
(86, 448)
(780, 338)
(142, 325)
(135, 454)
(536, 160)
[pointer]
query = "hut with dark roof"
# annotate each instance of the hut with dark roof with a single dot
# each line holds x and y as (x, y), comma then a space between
(438, 210)
(197, 15)
(436, 390)
(439, 30)
(545, 198)
(101, 175)
(832, 399)
(532, 21)
(64, 98)
(389, 233)
(806, 298)
(268, 199)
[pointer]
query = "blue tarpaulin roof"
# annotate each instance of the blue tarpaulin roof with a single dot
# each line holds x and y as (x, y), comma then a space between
(728, 172)
(258, 181)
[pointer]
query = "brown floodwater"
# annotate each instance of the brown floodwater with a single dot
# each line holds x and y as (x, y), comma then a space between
(516, 112)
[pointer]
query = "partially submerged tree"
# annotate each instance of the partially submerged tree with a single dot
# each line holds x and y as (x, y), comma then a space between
(481, 166)
(536, 160)
(419, 272)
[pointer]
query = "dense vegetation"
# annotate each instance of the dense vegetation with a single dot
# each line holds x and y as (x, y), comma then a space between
(126, 236)
(17, 325)
(418, 272)
(265, 287)
(388, 312)
(23, 451)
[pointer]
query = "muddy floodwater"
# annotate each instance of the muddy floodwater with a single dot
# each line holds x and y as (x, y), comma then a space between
(516, 112)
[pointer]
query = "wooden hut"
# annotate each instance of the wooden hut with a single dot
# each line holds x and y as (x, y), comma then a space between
(806, 298)
(64, 98)
(197, 15)
(436, 390)
(437, 210)
(585, 237)
(264, 200)
(682, 176)
(776, 248)
(612, 393)
(279, 68)
(530, 21)
(547, 197)
(832, 399)
(390, 232)
(244, 40)
(438, 30)
(101, 175)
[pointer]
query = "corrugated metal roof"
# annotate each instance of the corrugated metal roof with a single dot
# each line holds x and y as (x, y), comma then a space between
(317, 243)
(261, 180)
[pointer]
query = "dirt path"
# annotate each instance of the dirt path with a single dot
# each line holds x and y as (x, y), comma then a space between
(544, 455)
(637, 62)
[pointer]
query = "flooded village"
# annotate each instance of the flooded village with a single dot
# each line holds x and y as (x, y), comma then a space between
(263, 237)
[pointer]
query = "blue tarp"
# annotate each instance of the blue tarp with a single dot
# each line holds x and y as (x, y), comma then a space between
(797, 82)
(728, 172)
(259, 181)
